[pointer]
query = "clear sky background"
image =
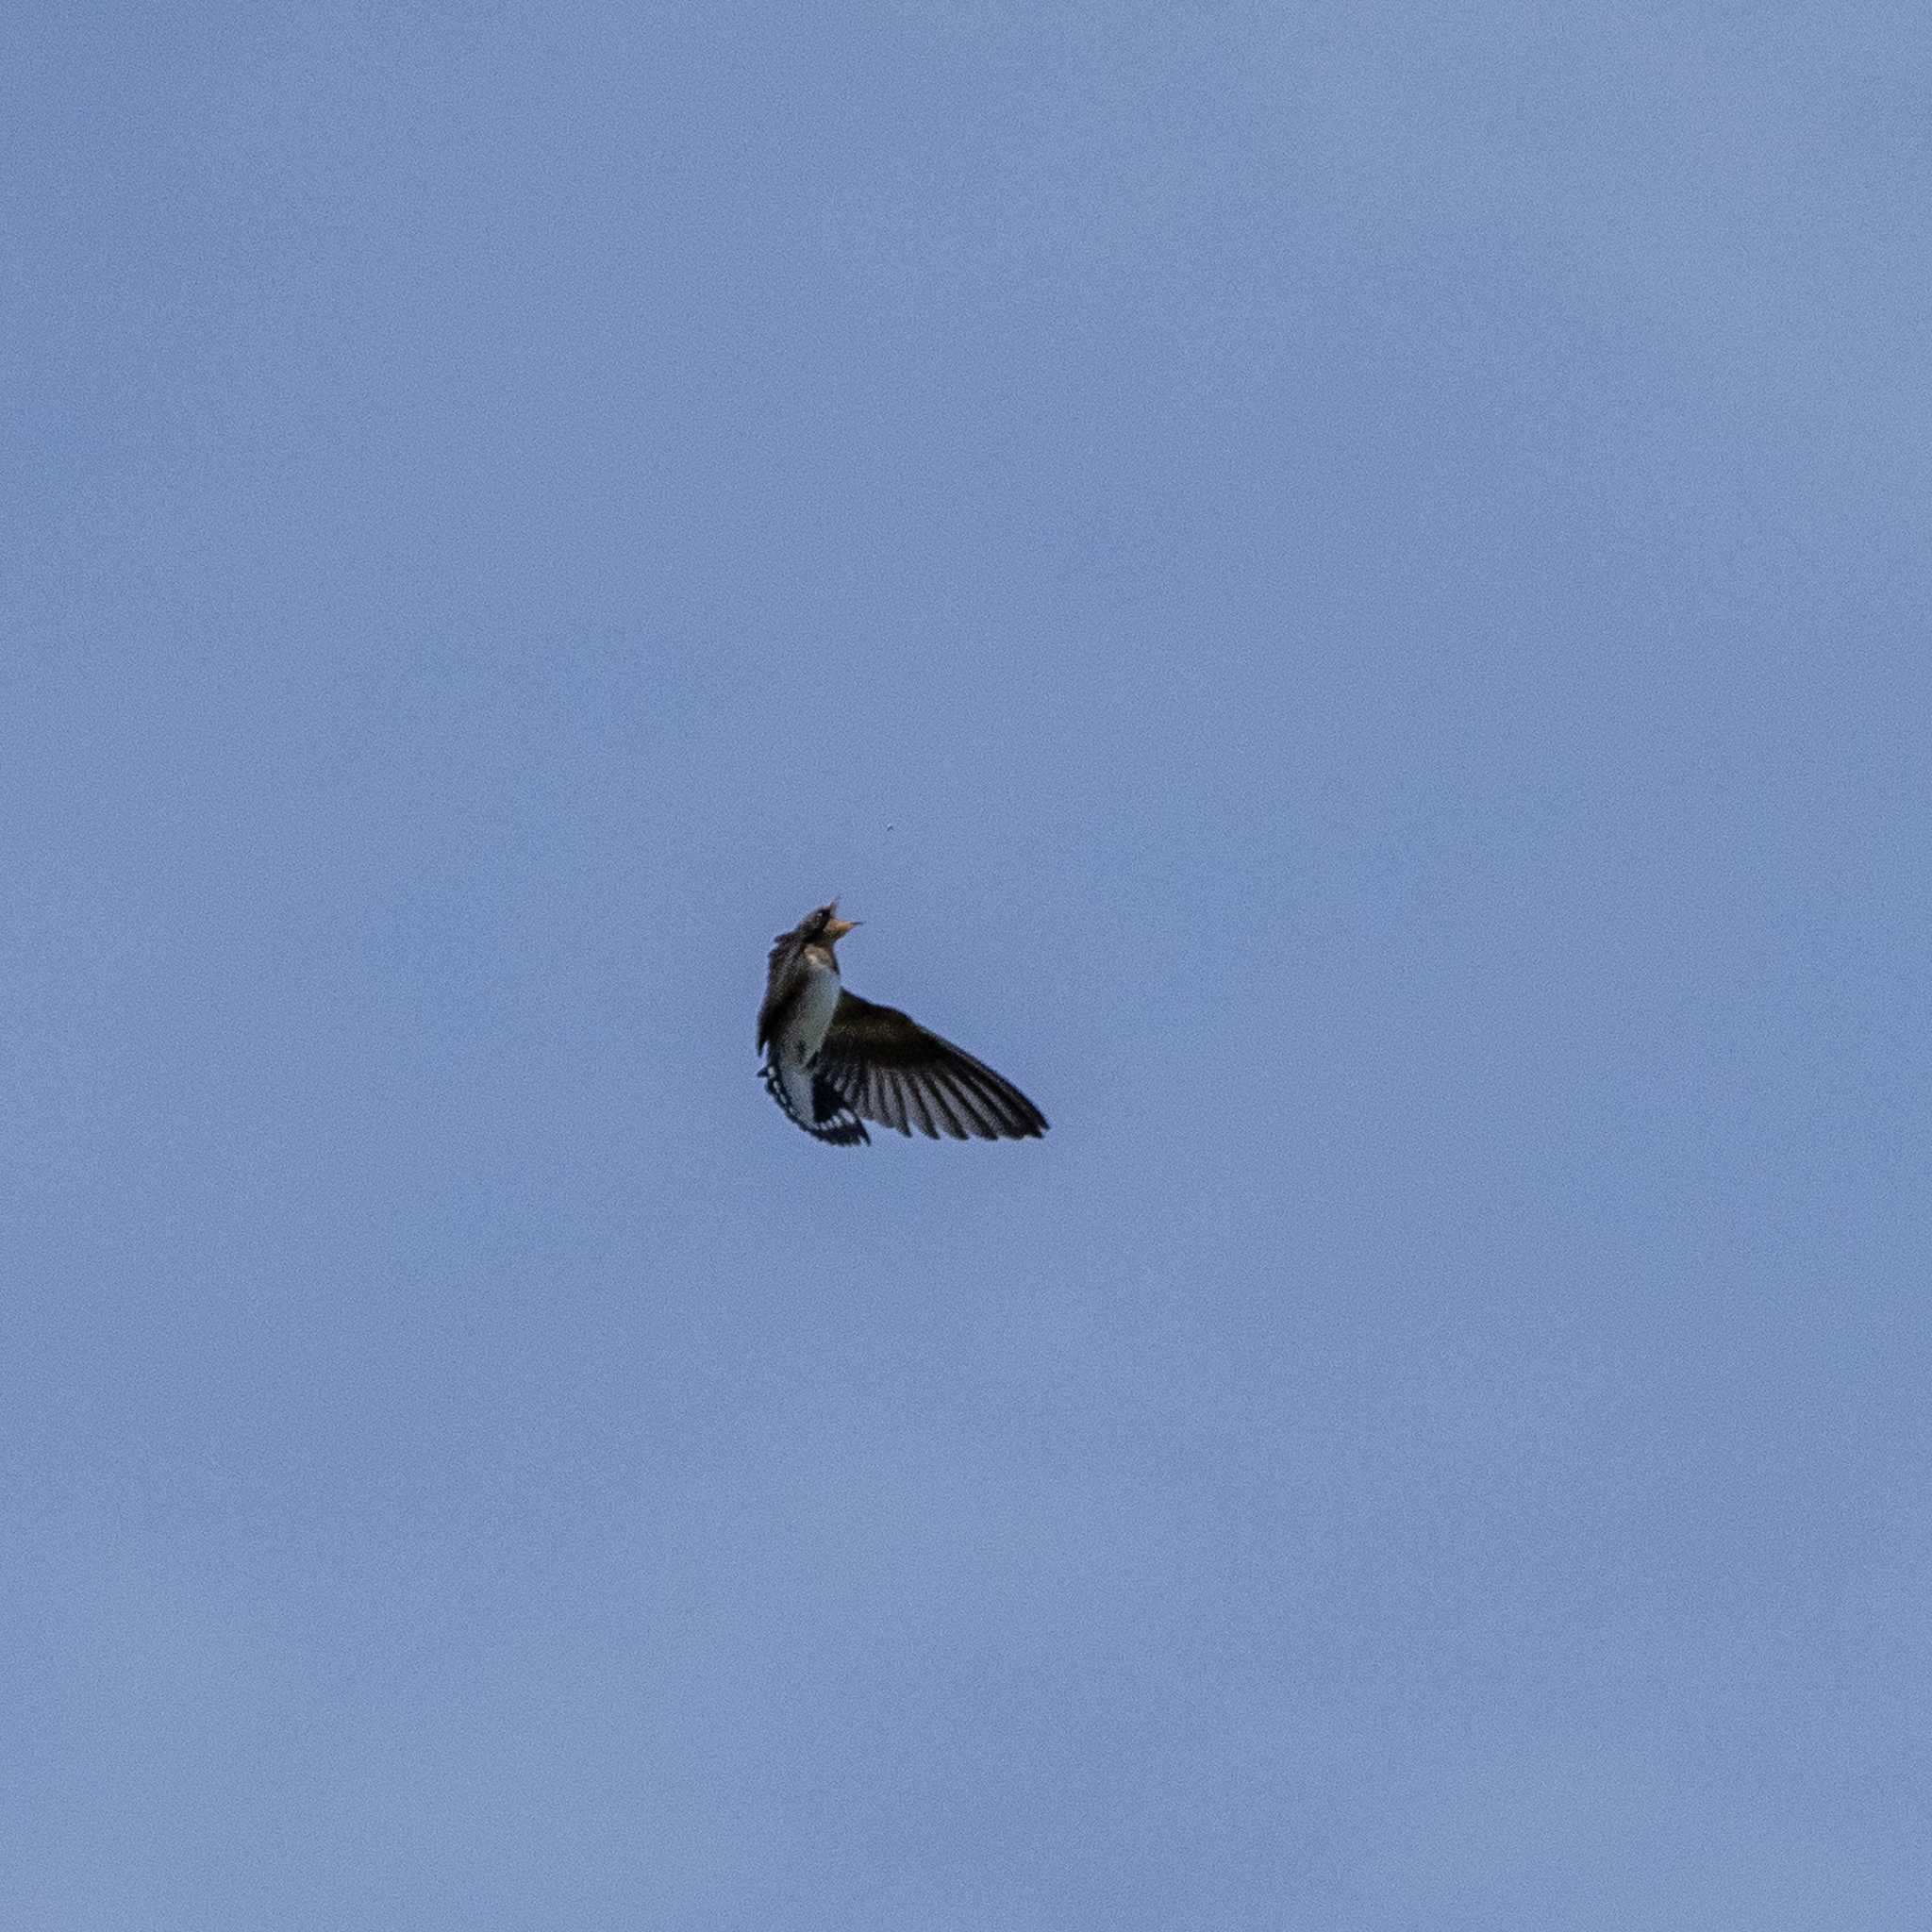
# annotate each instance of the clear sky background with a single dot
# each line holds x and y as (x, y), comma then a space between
(1344, 587)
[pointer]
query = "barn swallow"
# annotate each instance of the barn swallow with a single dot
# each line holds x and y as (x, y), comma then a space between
(834, 1060)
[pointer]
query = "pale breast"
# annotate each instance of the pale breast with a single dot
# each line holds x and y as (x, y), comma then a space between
(805, 1026)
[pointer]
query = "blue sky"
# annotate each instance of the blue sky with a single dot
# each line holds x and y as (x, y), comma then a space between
(1344, 590)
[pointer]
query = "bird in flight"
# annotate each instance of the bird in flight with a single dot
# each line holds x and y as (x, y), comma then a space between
(834, 1060)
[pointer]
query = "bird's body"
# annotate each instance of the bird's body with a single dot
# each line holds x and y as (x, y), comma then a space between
(832, 1057)
(799, 1029)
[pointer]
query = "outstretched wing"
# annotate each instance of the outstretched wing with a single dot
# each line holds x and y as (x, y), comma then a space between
(892, 1070)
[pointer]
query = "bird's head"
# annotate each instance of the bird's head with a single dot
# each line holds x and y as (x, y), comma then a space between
(824, 928)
